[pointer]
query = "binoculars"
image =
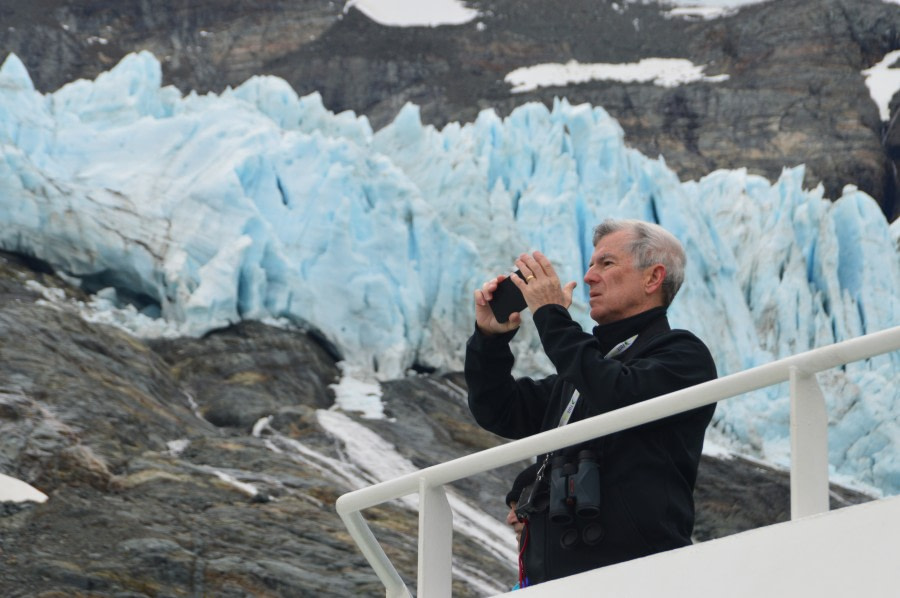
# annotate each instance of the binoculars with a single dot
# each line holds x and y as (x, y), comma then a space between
(575, 499)
(574, 488)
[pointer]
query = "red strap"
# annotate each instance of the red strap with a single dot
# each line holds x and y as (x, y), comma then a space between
(523, 579)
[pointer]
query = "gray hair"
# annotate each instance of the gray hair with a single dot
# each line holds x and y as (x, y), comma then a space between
(650, 244)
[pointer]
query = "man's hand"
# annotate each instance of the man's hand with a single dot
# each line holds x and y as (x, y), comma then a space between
(484, 316)
(541, 285)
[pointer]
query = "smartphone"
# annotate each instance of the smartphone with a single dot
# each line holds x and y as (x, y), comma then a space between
(507, 299)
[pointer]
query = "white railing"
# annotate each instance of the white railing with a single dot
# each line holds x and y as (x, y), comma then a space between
(809, 455)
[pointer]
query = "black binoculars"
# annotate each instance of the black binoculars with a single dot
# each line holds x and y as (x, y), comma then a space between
(573, 498)
(574, 488)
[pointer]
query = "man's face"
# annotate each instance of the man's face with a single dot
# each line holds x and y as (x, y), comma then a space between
(513, 521)
(617, 288)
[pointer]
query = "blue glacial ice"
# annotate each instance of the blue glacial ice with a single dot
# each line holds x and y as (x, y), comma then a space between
(186, 213)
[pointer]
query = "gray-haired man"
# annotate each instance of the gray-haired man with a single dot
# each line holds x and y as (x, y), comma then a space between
(629, 494)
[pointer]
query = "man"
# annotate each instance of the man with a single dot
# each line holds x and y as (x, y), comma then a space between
(622, 496)
(524, 480)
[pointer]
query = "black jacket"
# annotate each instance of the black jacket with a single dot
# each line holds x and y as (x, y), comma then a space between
(647, 474)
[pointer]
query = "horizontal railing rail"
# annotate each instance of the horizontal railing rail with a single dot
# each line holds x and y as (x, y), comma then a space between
(809, 454)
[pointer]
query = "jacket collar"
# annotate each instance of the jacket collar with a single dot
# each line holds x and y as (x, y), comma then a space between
(609, 335)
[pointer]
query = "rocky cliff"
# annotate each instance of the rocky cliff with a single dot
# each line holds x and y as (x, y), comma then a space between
(163, 482)
(795, 93)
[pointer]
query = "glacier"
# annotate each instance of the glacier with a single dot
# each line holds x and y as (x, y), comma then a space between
(183, 213)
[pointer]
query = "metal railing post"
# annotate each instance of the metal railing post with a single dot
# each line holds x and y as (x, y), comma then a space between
(809, 445)
(368, 545)
(435, 542)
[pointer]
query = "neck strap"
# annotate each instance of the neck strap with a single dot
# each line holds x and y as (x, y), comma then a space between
(570, 408)
(615, 351)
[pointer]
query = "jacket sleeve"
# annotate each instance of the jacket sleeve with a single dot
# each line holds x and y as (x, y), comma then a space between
(499, 403)
(670, 362)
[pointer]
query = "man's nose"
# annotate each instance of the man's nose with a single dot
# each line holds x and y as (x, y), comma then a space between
(511, 518)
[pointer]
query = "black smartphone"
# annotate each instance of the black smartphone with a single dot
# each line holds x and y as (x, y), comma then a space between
(507, 299)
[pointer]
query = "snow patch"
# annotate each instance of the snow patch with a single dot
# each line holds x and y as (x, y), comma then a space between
(663, 72)
(15, 490)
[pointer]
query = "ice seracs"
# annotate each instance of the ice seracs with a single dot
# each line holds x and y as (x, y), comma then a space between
(185, 213)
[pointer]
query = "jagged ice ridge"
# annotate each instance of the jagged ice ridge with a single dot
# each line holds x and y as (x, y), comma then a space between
(188, 213)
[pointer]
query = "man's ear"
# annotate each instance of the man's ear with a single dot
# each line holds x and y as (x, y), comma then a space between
(653, 278)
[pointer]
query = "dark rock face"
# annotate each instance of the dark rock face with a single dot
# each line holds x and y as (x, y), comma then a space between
(87, 414)
(237, 380)
(795, 93)
(158, 487)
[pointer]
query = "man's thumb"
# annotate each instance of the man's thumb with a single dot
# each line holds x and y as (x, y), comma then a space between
(567, 291)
